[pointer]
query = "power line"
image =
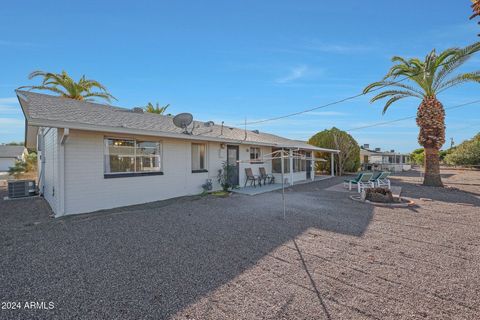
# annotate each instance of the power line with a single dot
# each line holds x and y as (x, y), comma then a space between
(405, 118)
(411, 117)
(342, 100)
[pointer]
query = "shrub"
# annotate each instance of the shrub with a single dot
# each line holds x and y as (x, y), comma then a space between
(21, 167)
(349, 157)
(466, 153)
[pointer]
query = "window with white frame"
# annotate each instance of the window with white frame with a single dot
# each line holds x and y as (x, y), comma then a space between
(255, 155)
(277, 162)
(131, 157)
(199, 161)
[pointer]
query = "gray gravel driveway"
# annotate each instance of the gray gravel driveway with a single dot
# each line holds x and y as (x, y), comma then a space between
(236, 258)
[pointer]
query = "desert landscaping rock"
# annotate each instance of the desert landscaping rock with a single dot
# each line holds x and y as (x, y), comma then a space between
(236, 258)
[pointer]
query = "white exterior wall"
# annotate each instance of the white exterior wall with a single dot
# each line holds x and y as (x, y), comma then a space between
(87, 190)
(297, 176)
(6, 163)
(49, 187)
(74, 179)
(244, 157)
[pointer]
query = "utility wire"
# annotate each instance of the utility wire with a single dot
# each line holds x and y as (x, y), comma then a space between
(342, 100)
(411, 117)
(405, 118)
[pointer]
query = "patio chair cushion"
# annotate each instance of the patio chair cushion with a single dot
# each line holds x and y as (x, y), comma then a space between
(356, 179)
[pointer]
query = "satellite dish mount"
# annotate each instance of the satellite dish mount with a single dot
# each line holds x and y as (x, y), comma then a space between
(183, 120)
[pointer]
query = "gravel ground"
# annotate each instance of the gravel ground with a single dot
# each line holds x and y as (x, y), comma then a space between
(236, 258)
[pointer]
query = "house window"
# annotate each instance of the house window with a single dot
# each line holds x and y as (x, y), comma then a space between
(199, 157)
(129, 157)
(277, 162)
(299, 162)
(255, 154)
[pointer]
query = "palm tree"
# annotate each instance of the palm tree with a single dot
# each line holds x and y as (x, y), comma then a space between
(427, 79)
(156, 109)
(65, 86)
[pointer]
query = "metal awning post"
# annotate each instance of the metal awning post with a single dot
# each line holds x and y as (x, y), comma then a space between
(283, 183)
(332, 163)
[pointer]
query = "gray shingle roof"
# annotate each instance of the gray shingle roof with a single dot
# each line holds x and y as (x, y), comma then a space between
(11, 151)
(53, 111)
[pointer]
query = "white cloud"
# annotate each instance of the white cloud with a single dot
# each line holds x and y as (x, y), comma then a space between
(320, 46)
(8, 100)
(10, 110)
(11, 121)
(16, 43)
(295, 74)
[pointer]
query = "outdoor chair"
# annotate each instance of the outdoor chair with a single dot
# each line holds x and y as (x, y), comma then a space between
(375, 176)
(266, 176)
(383, 180)
(362, 181)
(348, 183)
(251, 177)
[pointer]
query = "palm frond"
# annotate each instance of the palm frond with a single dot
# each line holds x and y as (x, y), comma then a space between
(102, 95)
(53, 89)
(390, 93)
(70, 88)
(455, 58)
(392, 100)
(459, 79)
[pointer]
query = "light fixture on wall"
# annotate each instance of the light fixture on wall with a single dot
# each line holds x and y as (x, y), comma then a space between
(248, 150)
(222, 145)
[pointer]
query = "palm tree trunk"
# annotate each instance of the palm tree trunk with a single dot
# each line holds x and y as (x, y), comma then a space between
(432, 168)
(431, 120)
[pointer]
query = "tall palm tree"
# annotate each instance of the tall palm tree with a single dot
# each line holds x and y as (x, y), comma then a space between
(64, 85)
(156, 109)
(426, 80)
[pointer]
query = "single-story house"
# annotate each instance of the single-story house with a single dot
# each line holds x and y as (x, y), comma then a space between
(94, 156)
(10, 154)
(377, 159)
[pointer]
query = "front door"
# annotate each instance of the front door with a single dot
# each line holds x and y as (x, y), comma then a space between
(232, 158)
(309, 165)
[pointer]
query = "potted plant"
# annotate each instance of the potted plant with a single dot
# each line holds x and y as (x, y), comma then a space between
(224, 176)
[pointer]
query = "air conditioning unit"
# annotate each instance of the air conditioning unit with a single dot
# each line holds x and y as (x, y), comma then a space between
(21, 188)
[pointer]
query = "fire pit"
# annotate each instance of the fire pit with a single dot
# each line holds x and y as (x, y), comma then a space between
(381, 197)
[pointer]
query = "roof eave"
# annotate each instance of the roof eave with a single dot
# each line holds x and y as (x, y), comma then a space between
(126, 130)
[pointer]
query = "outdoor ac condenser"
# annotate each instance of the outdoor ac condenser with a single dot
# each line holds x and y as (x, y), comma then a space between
(21, 188)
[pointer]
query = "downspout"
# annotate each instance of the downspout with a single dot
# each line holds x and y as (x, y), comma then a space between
(41, 148)
(63, 141)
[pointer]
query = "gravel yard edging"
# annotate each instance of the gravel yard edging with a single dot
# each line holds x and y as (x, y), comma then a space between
(404, 204)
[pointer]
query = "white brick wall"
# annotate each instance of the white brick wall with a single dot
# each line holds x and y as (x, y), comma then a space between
(87, 190)
(244, 156)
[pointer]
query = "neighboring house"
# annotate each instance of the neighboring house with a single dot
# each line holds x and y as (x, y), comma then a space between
(10, 154)
(94, 156)
(377, 159)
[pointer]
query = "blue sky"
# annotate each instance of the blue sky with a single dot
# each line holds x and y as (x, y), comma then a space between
(231, 60)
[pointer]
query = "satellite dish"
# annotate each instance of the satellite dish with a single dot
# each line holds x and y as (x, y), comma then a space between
(209, 124)
(183, 120)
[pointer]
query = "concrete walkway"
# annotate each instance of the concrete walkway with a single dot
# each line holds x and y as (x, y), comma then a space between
(252, 191)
